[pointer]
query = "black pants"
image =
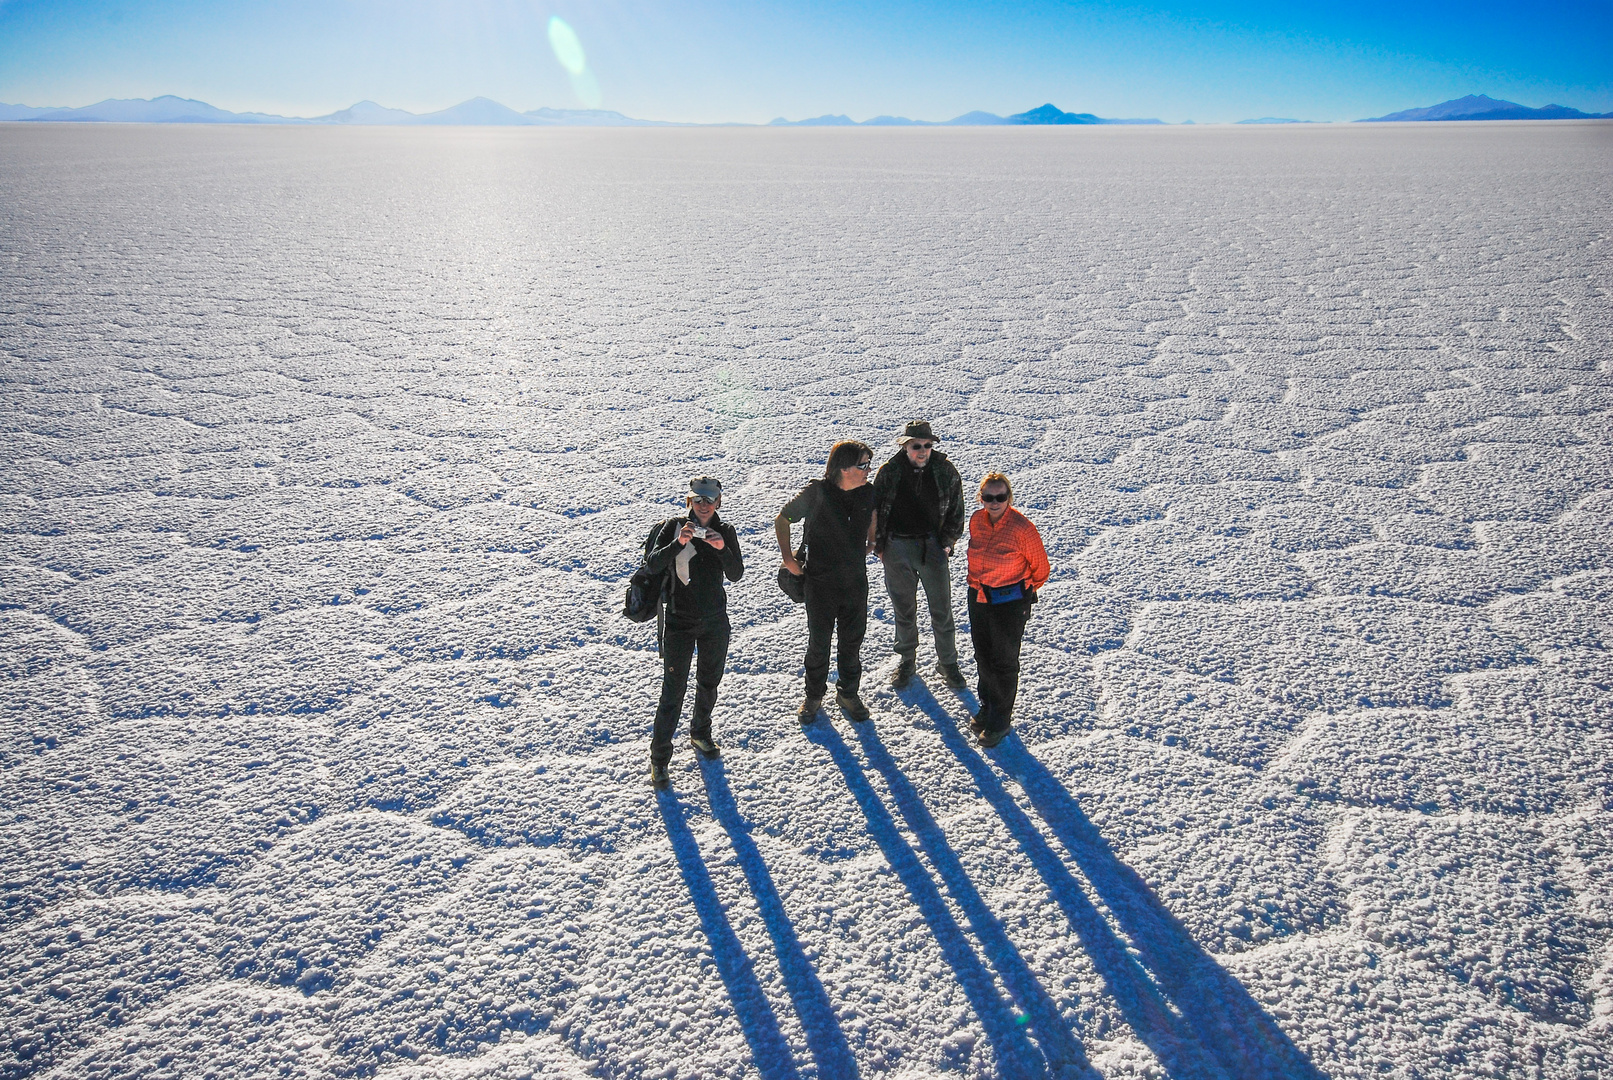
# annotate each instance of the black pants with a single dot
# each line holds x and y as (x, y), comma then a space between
(838, 608)
(678, 646)
(997, 630)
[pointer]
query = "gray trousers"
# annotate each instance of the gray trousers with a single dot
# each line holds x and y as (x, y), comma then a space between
(908, 564)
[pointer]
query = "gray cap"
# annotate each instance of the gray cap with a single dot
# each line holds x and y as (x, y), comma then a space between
(706, 487)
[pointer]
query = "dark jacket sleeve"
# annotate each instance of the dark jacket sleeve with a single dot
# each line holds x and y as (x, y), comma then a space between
(886, 482)
(952, 522)
(733, 567)
(666, 546)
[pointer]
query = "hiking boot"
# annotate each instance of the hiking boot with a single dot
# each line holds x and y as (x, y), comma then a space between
(953, 677)
(903, 674)
(851, 705)
(809, 710)
(660, 779)
(704, 744)
(988, 739)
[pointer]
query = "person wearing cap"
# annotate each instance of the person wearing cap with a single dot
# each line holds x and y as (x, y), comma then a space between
(918, 523)
(701, 550)
(839, 515)
(1007, 564)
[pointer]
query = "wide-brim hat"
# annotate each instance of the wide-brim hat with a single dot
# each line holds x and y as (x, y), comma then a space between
(705, 487)
(916, 429)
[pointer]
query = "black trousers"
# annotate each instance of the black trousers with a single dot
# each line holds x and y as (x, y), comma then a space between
(997, 630)
(678, 647)
(841, 609)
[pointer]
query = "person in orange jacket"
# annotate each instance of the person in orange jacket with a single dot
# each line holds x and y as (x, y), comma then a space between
(1007, 564)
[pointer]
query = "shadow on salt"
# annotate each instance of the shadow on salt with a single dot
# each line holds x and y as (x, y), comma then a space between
(770, 1051)
(1197, 1018)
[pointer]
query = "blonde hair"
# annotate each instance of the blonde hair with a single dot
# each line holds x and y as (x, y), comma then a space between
(996, 478)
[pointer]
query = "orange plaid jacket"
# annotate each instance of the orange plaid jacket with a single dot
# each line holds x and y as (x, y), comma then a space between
(1004, 553)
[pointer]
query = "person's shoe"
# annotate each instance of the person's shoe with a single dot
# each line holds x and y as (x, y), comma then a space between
(903, 674)
(704, 744)
(976, 726)
(809, 710)
(660, 778)
(851, 705)
(988, 739)
(953, 677)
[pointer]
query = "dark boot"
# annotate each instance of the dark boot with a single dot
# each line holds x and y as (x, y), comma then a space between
(851, 705)
(700, 732)
(904, 673)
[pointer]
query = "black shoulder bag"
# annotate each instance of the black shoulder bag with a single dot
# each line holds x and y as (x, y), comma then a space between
(645, 590)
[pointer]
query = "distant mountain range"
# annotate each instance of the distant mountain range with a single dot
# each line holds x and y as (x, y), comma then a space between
(1044, 114)
(481, 111)
(1479, 107)
(177, 110)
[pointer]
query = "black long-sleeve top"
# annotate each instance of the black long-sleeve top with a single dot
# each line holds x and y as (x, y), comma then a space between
(916, 510)
(705, 594)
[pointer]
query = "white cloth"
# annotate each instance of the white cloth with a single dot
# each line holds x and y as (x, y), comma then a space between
(684, 558)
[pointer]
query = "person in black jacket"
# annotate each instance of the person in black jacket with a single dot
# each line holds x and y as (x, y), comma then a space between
(918, 522)
(839, 515)
(701, 549)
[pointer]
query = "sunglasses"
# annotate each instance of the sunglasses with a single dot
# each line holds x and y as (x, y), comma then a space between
(1000, 497)
(701, 500)
(863, 465)
(920, 445)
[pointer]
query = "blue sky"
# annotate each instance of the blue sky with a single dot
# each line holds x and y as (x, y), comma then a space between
(723, 60)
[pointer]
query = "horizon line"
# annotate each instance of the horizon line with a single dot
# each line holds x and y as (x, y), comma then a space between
(370, 113)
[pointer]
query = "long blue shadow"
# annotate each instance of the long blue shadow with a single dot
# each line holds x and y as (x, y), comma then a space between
(1140, 1000)
(1226, 1023)
(1047, 1024)
(756, 1019)
(1229, 1021)
(823, 1034)
(1017, 1056)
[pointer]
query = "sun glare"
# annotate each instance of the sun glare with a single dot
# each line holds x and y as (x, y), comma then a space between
(568, 50)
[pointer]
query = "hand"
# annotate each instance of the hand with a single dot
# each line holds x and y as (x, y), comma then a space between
(714, 538)
(687, 533)
(948, 551)
(792, 566)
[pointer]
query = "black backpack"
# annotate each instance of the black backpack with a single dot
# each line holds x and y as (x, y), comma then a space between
(646, 591)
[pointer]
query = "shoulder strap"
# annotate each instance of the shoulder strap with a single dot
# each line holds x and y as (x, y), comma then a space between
(655, 534)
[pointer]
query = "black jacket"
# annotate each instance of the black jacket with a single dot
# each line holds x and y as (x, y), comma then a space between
(949, 492)
(705, 595)
(836, 530)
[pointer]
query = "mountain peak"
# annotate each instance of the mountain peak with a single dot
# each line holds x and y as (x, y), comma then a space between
(1051, 114)
(1481, 107)
(826, 120)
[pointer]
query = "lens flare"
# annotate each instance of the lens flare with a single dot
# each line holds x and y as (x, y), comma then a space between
(586, 87)
(567, 48)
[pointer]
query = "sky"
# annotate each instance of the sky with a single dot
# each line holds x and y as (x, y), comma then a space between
(731, 61)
